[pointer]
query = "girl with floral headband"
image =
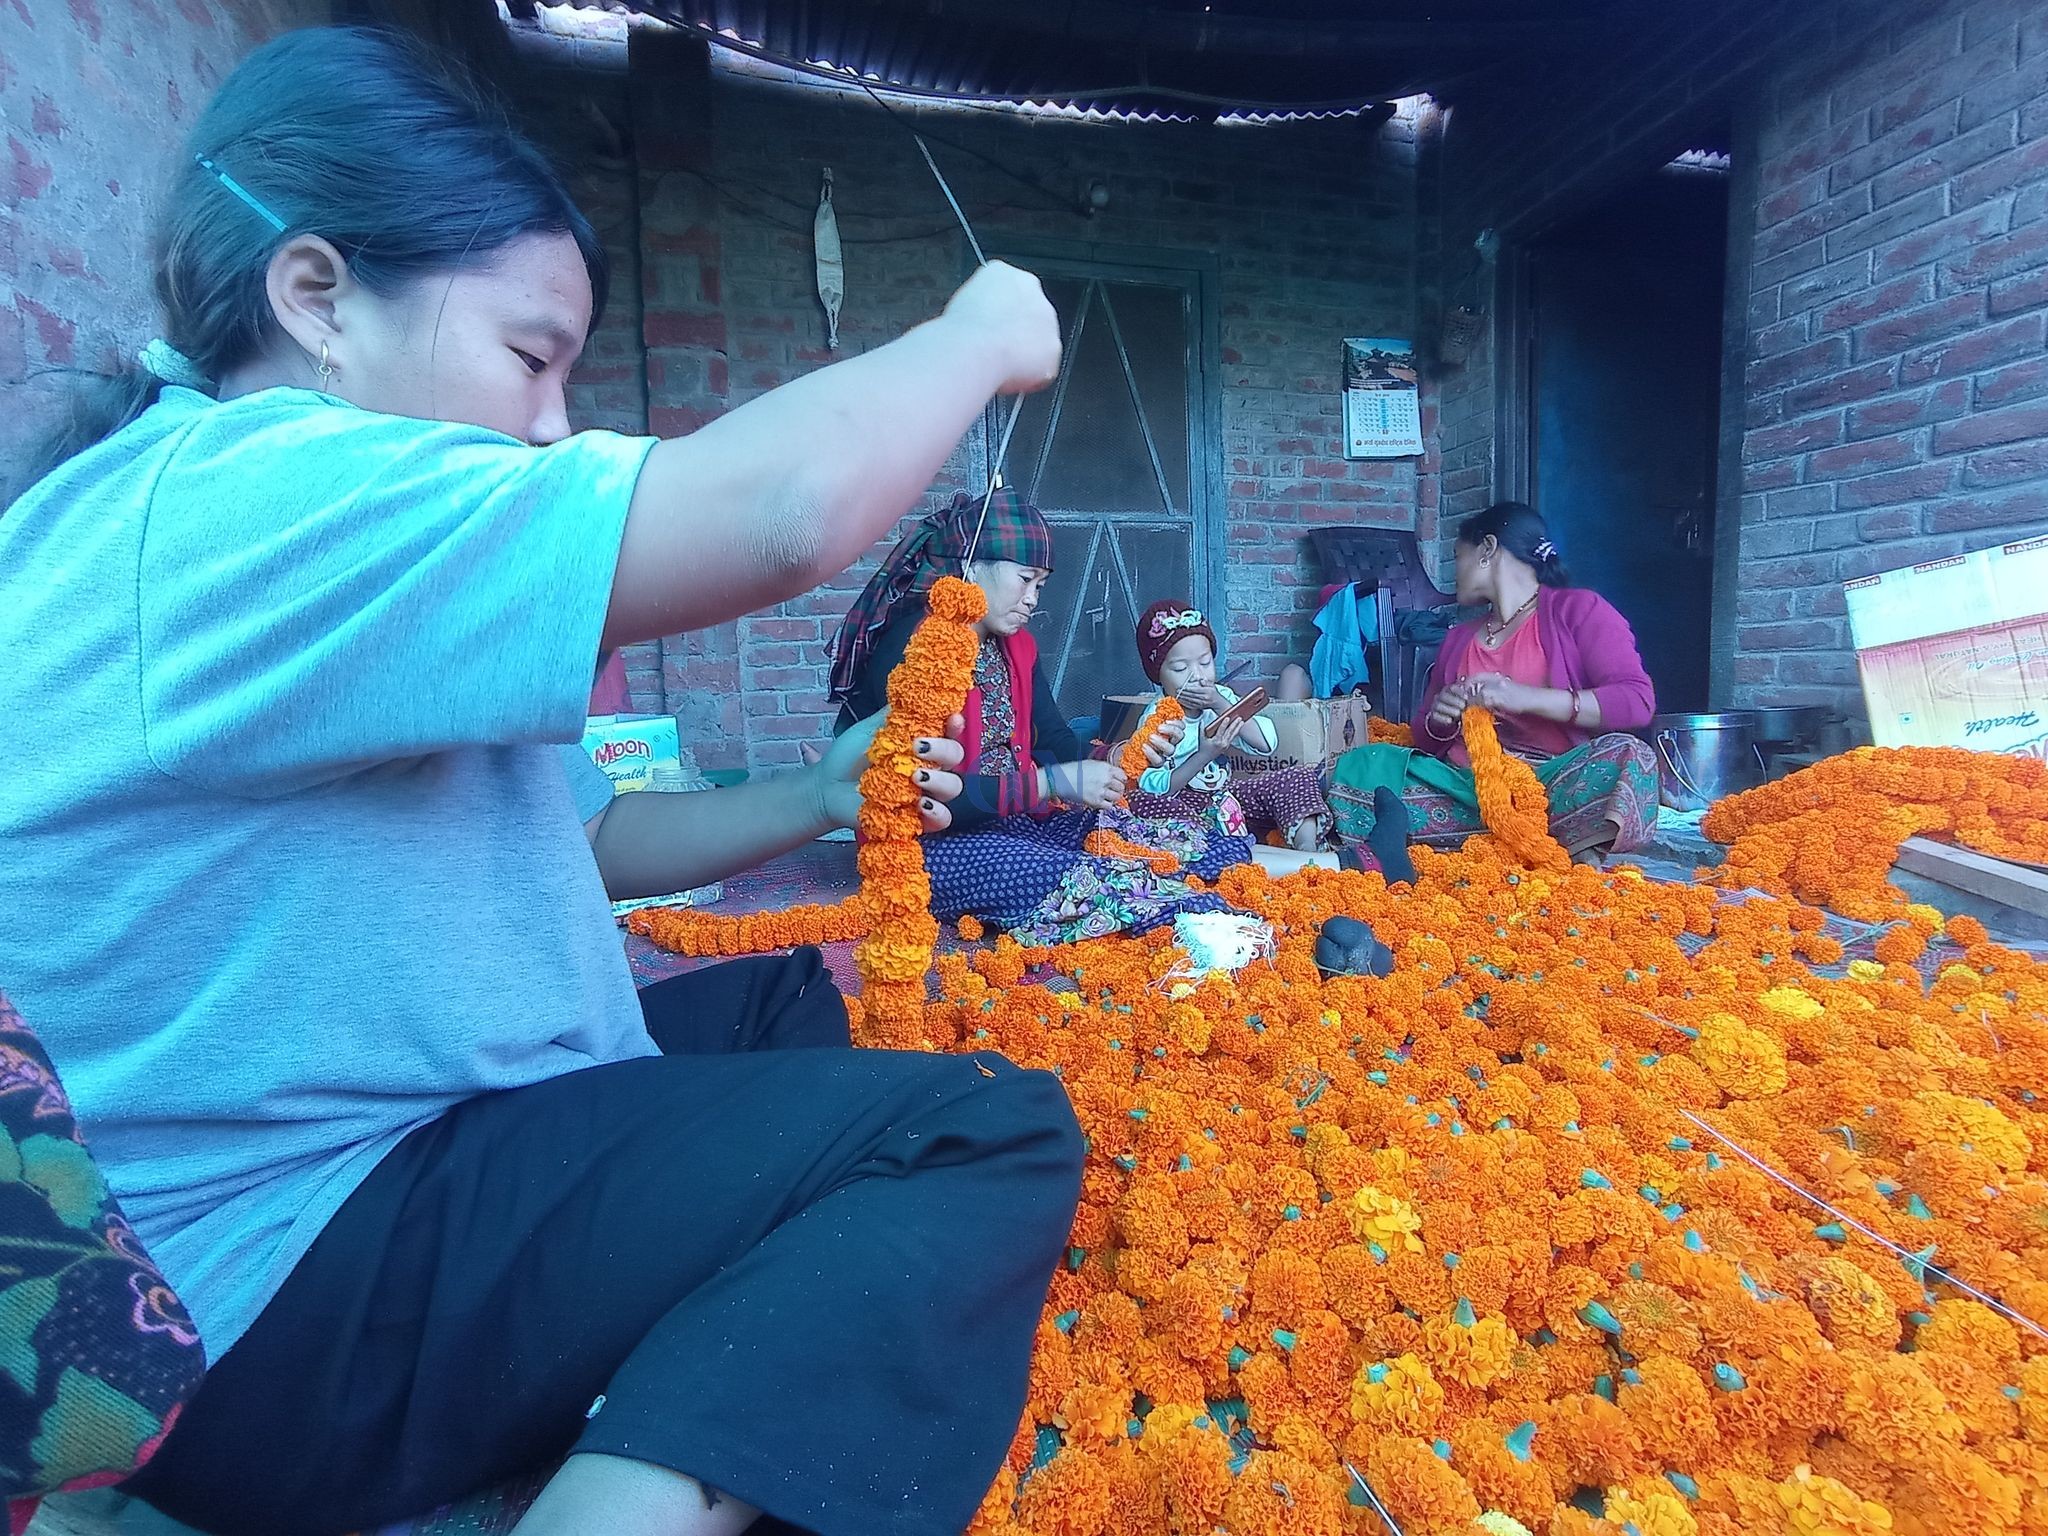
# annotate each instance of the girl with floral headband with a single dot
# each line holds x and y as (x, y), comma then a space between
(1177, 649)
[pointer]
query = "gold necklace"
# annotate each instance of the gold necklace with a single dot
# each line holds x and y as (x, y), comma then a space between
(1497, 627)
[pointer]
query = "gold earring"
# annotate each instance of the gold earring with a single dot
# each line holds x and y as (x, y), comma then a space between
(325, 369)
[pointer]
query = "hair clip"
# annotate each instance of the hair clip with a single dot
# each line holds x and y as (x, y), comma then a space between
(241, 192)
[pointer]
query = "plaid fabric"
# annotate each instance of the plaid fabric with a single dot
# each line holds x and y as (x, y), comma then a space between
(1013, 531)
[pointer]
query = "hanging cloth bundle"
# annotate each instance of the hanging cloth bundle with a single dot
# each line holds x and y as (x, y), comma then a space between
(831, 264)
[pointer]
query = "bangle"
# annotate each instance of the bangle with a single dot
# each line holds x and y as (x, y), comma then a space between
(1577, 705)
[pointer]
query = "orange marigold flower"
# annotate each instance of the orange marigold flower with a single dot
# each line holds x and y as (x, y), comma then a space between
(1095, 1414)
(1281, 1495)
(1972, 1330)
(1851, 1306)
(1892, 1408)
(1418, 1487)
(1197, 1477)
(1471, 1350)
(1068, 1496)
(969, 927)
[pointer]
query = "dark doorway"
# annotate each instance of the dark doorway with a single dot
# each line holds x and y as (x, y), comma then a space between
(1116, 454)
(1624, 392)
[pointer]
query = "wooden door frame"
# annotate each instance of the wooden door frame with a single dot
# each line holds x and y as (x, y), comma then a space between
(1198, 271)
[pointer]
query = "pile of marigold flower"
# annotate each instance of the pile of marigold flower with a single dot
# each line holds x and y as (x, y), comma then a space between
(1481, 1244)
(1829, 834)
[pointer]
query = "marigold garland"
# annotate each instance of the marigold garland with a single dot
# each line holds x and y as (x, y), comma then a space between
(701, 934)
(1393, 733)
(1829, 834)
(927, 688)
(1132, 759)
(1114, 845)
(1512, 800)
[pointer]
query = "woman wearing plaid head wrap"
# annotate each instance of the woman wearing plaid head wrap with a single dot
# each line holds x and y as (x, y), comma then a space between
(1014, 855)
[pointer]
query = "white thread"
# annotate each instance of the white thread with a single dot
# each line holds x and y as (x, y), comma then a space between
(1876, 1237)
(1378, 1508)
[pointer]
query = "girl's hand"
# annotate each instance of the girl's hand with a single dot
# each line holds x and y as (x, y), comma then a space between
(1158, 747)
(840, 768)
(1197, 697)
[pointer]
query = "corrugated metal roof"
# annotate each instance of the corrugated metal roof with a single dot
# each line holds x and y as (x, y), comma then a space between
(1178, 58)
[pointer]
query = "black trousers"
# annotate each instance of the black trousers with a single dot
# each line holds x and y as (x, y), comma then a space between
(803, 1274)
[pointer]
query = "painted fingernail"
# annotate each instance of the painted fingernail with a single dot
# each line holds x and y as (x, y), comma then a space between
(930, 805)
(923, 777)
(923, 745)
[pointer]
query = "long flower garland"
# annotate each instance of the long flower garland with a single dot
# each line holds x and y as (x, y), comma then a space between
(1132, 759)
(1829, 834)
(928, 687)
(1512, 800)
(1106, 844)
(711, 934)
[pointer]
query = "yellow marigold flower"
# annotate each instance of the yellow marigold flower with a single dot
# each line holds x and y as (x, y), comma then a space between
(1865, 970)
(1791, 1002)
(1650, 1513)
(1494, 1523)
(1397, 1396)
(1378, 1217)
(1742, 1062)
(1949, 1119)
(1820, 1506)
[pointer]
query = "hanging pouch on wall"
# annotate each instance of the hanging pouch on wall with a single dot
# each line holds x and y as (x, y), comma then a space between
(831, 263)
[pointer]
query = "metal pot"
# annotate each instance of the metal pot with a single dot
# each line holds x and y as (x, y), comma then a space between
(1788, 725)
(1701, 758)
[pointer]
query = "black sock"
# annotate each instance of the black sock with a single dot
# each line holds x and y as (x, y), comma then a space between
(1388, 838)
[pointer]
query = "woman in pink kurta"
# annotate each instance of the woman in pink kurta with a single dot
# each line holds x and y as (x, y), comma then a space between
(1558, 667)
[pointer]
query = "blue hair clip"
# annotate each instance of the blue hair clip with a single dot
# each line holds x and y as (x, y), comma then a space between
(241, 192)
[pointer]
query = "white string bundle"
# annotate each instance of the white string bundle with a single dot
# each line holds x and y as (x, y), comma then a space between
(1220, 941)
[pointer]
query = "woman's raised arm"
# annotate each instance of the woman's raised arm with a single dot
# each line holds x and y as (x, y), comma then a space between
(791, 488)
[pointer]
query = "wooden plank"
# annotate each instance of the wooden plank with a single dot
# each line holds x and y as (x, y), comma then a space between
(2016, 885)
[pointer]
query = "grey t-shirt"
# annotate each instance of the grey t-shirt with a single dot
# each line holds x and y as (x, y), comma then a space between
(289, 861)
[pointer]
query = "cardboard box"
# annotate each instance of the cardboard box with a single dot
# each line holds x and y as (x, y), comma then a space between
(627, 747)
(1310, 734)
(1954, 653)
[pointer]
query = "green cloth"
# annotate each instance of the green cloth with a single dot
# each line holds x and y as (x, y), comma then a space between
(1405, 769)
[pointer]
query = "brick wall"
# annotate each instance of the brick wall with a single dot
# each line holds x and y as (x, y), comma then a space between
(1897, 403)
(94, 96)
(1309, 227)
(1521, 153)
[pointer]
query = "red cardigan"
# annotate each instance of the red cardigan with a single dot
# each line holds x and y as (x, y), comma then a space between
(1589, 645)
